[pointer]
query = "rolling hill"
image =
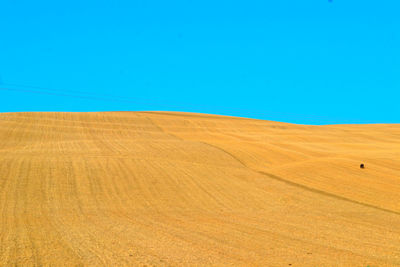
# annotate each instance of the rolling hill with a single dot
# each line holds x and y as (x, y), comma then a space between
(165, 188)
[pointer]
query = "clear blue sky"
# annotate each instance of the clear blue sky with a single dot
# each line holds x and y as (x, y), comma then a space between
(310, 61)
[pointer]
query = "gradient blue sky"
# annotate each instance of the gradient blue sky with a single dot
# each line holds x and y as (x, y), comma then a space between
(310, 61)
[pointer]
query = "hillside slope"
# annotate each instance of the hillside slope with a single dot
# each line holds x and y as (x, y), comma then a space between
(159, 188)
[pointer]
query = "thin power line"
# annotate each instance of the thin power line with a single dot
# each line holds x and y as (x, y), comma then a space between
(38, 88)
(61, 93)
(118, 99)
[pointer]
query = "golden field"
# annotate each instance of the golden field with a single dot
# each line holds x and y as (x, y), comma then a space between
(171, 189)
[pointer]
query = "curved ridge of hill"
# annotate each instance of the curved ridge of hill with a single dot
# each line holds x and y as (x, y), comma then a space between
(166, 188)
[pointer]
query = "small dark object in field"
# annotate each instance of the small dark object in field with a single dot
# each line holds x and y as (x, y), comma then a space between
(362, 166)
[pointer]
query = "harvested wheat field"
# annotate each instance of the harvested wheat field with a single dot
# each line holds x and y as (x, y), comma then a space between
(159, 188)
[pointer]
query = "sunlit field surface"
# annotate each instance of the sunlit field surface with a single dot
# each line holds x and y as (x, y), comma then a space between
(159, 188)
